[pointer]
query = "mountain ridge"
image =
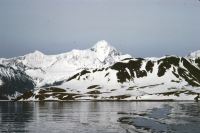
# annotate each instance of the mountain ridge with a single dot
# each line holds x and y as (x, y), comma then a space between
(103, 73)
(41, 66)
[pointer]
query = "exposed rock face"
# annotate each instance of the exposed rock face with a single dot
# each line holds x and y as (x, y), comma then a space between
(13, 81)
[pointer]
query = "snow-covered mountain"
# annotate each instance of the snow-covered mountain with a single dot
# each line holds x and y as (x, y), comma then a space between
(169, 77)
(47, 69)
(103, 73)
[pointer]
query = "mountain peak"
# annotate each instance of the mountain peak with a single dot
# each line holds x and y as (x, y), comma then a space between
(103, 49)
(34, 57)
(101, 44)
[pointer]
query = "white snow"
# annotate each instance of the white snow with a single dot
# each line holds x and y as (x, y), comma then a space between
(103, 50)
(194, 54)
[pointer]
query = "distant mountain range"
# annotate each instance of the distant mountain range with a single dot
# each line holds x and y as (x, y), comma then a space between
(99, 73)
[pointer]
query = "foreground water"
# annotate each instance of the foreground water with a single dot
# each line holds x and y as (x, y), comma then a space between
(100, 117)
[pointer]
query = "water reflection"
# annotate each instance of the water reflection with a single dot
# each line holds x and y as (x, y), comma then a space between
(98, 117)
(15, 116)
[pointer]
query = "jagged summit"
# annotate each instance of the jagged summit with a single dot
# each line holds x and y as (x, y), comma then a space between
(103, 50)
(102, 45)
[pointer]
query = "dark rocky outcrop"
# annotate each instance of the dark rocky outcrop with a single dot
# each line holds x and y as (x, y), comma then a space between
(14, 81)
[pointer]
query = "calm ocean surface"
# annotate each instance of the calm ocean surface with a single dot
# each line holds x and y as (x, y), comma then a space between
(100, 117)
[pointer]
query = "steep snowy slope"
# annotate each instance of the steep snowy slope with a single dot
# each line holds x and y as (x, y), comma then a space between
(13, 81)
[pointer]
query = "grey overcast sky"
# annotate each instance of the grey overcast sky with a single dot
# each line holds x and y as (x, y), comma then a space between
(139, 27)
